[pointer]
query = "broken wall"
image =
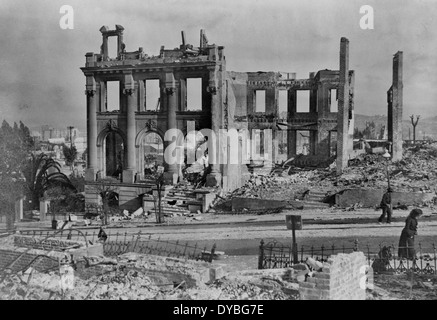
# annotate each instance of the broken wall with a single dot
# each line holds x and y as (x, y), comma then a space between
(342, 277)
(370, 198)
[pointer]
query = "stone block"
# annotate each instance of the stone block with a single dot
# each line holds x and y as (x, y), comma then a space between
(128, 176)
(216, 272)
(323, 282)
(311, 280)
(326, 269)
(313, 263)
(90, 174)
(310, 285)
(322, 275)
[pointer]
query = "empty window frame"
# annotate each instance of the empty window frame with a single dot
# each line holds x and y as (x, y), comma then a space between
(152, 99)
(112, 95)
(112, 47)
(260, 101)
(194, 94)
(303, 101)
(303, 142)
(332, 143)
(333, 100)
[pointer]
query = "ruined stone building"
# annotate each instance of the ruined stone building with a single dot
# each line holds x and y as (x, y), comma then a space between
(319, 109)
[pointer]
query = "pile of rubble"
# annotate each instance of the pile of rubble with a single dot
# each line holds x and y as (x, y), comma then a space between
(126, 215)
(417, 171)
(146, 277)
(275, 187)
(403, 287)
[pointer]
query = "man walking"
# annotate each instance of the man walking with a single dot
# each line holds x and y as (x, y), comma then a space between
(386, 206)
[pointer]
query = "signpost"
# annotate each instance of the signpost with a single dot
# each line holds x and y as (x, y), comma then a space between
(294, 222)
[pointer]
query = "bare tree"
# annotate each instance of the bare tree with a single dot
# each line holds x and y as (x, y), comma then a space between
(414, 123)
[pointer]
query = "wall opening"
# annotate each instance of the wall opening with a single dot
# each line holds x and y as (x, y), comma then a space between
(112, 95)
(152, 95)
(333, 100)
(114, 152)
(303, 101)
(152, 148)
(260, 101)
(194, 94)
(257, 147)
(332, 143)
(112, 47)
(282, 104)
(303, 142)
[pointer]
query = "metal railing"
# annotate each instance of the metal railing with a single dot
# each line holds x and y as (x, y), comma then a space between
(275, 254)
(120, 243)
(147, 245)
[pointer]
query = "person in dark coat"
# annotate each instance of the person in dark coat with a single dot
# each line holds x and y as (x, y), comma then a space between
(386, 206)
(406, 242)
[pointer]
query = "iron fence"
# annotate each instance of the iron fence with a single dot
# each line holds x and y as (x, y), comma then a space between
(384, 258)
(119, 243)
(160, 247)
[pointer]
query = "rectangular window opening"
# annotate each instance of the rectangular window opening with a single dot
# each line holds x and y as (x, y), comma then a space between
(303, 142)
(112, 47)
(194, 94)
(303, 101)
(332, 143)
(333, 103)
(152, 95)
(113, 96)
(260, 101)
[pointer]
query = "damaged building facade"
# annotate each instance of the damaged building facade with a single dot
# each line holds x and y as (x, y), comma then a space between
(249, 102)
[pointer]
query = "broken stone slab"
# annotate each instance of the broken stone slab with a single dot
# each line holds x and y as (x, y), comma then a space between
(216, 272)
(138, 212)
(314, 264)
(98, 260)
(300, 272)
(129, 256)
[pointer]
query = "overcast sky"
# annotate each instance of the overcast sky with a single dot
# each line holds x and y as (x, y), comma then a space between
(41, 83)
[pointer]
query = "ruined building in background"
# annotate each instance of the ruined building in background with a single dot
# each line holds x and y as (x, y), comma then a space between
(280, 115)
(394, 112)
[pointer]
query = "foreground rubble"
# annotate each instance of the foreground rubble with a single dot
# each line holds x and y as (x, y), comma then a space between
(145, 277)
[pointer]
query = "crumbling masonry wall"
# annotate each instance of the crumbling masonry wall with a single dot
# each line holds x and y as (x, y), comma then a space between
(341, 278)
(394, 99)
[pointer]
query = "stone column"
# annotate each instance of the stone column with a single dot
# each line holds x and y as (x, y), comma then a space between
(90, 172)
(171, 174)
(19, 213)
(215, 177)
(104, 48)
(141, 95)
(291, 134)
(395, 114)
(343, 108)
(129, 172)
(275, 145)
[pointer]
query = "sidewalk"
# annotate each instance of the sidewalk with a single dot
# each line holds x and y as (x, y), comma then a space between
(318, 216)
